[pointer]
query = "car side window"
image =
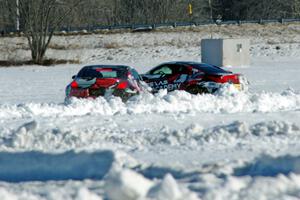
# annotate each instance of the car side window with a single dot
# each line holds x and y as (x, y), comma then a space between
(188, 69)
(176, 69)
(164, 70)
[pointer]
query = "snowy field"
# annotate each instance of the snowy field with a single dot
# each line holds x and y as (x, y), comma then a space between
(176, 146)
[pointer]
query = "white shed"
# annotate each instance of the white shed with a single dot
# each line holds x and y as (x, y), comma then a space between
(226, 52)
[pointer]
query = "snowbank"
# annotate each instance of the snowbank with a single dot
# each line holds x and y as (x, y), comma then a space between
(251, 181)
(129, 185)
(85, 194)
(5, 195)
(265, 177)
(277, 188)
(193, 135)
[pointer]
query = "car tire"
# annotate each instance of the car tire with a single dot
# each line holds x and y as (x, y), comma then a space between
(196, 90)
(122, 94)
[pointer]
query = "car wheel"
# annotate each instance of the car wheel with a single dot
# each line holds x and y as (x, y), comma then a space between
(197, 90)
(124, 95)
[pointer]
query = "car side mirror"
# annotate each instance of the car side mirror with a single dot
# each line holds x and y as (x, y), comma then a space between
(73, 77)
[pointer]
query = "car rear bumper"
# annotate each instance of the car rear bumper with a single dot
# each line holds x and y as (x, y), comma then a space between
(94, 93)
(80, 93)
(213, 86)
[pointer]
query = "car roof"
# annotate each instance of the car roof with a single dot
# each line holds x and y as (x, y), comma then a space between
(188, 63)
(108, 66)
(208, 68)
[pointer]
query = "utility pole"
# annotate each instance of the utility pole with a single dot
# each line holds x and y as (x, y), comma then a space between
(18, 16)
(211, 10)
(211, 18)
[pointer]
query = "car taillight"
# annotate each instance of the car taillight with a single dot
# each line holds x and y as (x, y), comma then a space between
(74, 84)
(215, 78)
(231, 78)
(122, 85)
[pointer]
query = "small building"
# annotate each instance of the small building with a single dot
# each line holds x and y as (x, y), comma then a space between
(226, 52)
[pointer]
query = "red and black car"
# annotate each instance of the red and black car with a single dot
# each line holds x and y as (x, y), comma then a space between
(102, 80)
(192, 77)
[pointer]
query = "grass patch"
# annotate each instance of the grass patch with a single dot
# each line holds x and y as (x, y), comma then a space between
(57, 47)
(63, 47)
(46, 62)
(112, 45)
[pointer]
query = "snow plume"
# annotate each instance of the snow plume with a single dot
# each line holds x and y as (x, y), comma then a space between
(226, 101)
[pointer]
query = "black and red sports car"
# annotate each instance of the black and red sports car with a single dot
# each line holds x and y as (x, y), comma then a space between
(102, 80)
(192, 77)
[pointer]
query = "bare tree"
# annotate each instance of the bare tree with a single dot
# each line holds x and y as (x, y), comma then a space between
(40, 18)
(295, 8)
(7, 16)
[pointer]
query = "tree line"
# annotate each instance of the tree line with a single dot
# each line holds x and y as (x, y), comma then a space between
(38, 19)
(122, 12)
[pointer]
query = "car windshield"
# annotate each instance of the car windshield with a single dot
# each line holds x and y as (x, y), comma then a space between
(210, 69)
(91, 73)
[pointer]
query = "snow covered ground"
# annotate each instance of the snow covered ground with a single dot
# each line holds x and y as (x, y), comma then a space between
(176, 146)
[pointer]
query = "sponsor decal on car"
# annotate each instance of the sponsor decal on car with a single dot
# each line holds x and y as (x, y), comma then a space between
(164, 85)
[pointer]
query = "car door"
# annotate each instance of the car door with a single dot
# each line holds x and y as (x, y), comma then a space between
(183, 72)
(164, 77)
